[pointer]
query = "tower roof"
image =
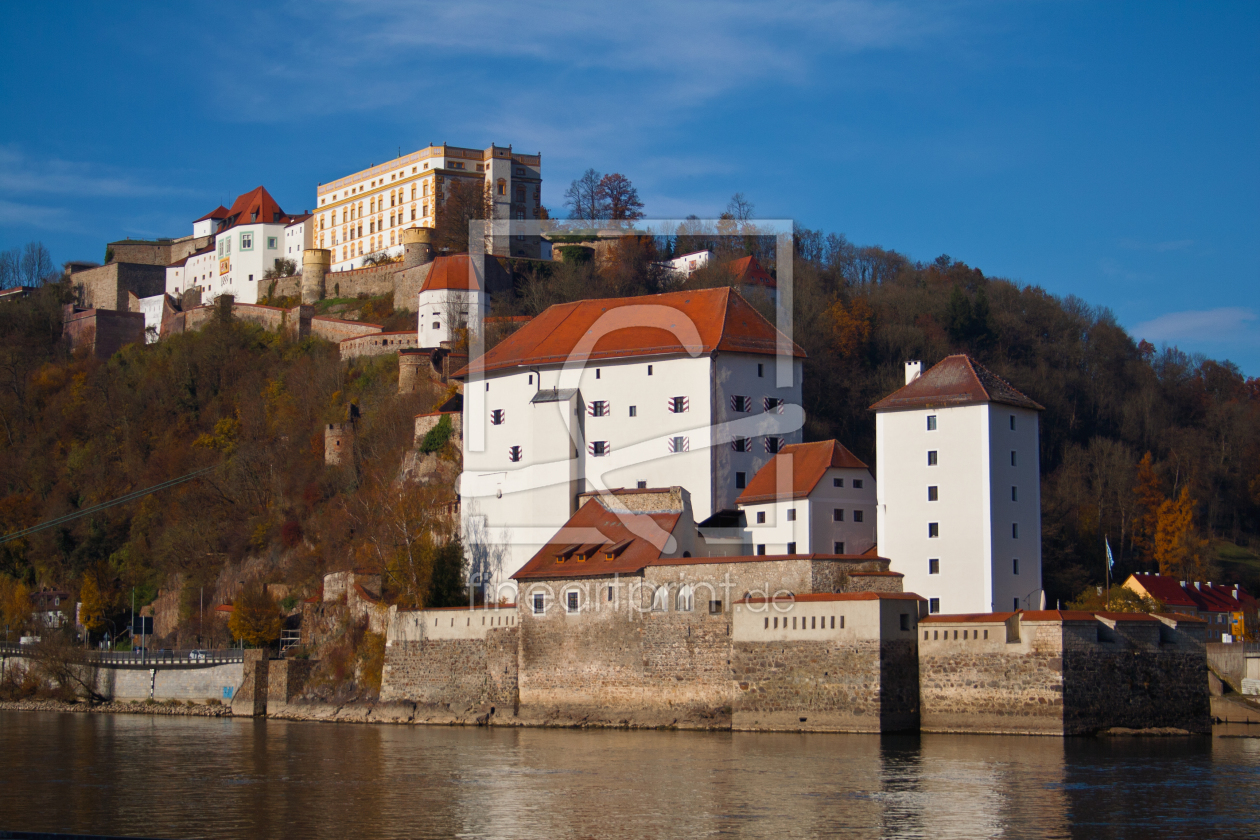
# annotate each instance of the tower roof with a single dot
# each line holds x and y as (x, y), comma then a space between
(704, 321)
(219, 212)
(451, 272)
(955, 380)
(254, 207)
(809, 463)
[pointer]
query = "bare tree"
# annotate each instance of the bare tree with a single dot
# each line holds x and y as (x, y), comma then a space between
(620, 198)
(464, 200)
(585, 199)
(35, 268)
(10, 272)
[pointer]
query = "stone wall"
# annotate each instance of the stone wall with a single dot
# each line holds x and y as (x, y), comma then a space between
(106, 286)
(425, 422)
(1034, 673)
(373, 281)
(379, 344)
(103, 332)
(337, 330)
(159, 252)
(181, 682)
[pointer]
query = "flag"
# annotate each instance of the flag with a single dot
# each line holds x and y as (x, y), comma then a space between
(1111, 561)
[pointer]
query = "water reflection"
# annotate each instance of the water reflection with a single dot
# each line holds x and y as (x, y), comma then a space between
(185, 777)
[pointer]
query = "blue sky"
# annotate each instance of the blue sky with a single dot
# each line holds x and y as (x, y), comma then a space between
(1106, 150)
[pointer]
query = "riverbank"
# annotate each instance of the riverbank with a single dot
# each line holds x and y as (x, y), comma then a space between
(134, 707)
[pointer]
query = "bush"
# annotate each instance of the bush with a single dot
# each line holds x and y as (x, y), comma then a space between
(438, 436)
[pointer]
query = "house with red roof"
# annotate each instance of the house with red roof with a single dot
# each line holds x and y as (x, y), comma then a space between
(452, 298)
(1230, 611)
(623, 392)
(809, 498)
(957, 477)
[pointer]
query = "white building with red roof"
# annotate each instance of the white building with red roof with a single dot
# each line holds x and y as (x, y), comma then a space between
(680, 389)
(451, 298)
(957, 474)
(1230, 611)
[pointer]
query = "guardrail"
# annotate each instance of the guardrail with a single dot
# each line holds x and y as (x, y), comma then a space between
(148, 657)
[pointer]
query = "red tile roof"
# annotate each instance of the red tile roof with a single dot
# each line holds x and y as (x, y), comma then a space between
(704, 321)
(451, 272)
(748, 270)
(1205, 597)
(966, 618)
(815, 597)
(589, 533)
(254, 207)
(219, 212)
(955, 380)
(808, 462)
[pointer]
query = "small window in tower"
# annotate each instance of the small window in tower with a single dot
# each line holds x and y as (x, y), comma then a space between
(649, 370)
(1015, 566)
(597, 373)
(1014, 530)
(857, 515)
(931, 457)
(934, 530)
(791, 514)
(496, 417)
(514, 454)
(761, 549)
(931, 423)
(741, 480)
(934, 566)
(932, 494)
(761, 517)
(837, 482)
(839, 548)
(571, 602)
(642, 485)
(1012, 422)
(1014, 493)
(1012, 457)
(761, 369)
(934, 606)
(538, 604)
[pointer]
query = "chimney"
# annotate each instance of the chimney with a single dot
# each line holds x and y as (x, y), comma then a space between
(913, 369)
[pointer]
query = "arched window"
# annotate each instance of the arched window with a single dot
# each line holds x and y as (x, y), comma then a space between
(683, 601)
(372, 206)
(392, 202)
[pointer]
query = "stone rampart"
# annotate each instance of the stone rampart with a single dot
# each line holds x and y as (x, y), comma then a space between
(462, 659)
(103, 332)
(1055, 673)
(337, 330)
(373, 281)
(158, 252)
(379, 344)
(106, 286)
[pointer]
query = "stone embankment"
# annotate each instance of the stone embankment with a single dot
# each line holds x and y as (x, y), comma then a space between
(117, 708)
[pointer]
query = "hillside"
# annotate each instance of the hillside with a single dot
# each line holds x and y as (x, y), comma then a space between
(253, 405)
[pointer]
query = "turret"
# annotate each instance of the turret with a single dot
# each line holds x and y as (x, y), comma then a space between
(315, 263)
(417, 246)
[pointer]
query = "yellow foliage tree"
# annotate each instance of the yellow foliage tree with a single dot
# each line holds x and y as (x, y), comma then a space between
(1179, 550)
(1148, 496)
(256, 618)
(15, 605)
(92, 605)
(851, 327)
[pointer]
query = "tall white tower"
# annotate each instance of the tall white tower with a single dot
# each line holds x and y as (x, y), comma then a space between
(958, 499)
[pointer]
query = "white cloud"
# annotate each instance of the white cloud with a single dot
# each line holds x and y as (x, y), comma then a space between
(1228, 323)
(20, 174)
(17, 215)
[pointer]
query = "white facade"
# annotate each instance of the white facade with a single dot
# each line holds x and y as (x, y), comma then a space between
(639, 421)
(683, 266)
(958, 494)
(152, 308)
(365, 213)
(836, 517)
(197, 271)
(441, 311)
(297, 238)
(244, 253)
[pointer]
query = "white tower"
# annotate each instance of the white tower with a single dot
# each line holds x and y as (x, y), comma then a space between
(957, 479)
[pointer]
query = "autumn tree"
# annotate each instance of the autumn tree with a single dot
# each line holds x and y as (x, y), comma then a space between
(463, 200)
(92, 605)
(1179, 550)
(851, 327)
(1148, 497)
(620, 198)
(15, 605)
(256, 617)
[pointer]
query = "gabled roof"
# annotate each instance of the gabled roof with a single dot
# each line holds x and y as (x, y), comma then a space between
(1205, 597)
(299, 218)
(808, 462)
(703, 321)
(579, 549)
(955, 380)
(451, 272)
(254, 207)
(219, 212)
(748, 270)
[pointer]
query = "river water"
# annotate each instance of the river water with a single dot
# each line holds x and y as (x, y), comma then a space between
(208, 777)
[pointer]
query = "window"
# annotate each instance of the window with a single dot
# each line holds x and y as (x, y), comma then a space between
(932, 494)
(538, 604)
(597, 373)
(931, 423)
(739, 403)
(496, 417)
(761, 549)
(837, 515)
(437, 325)
(741, 480)
(934, 566)
(1015, 605)
(934, 530)
(1012, 422)
(649, 370)
(791, 514)
(1012, 457)
(857, 516)
(514, 454)
(761, 369)
(679, 444)
(715, 608)
(571, 601)
(905, 621)
(634, 411)
(761, 517)
(272, 243)
(837, 482)
(677, 405)
(1014, 493)
(1014, 530)
(791, 548)
(934, 605)
(598, 408)
(683, 601)
(931, 457)
(1015, 566)
(642, 485)
(857, 484)
(774, 404)
(247, 241)
(531, 379)
(742, 444)
(839, 548)
(773, 443)
(599, 448)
